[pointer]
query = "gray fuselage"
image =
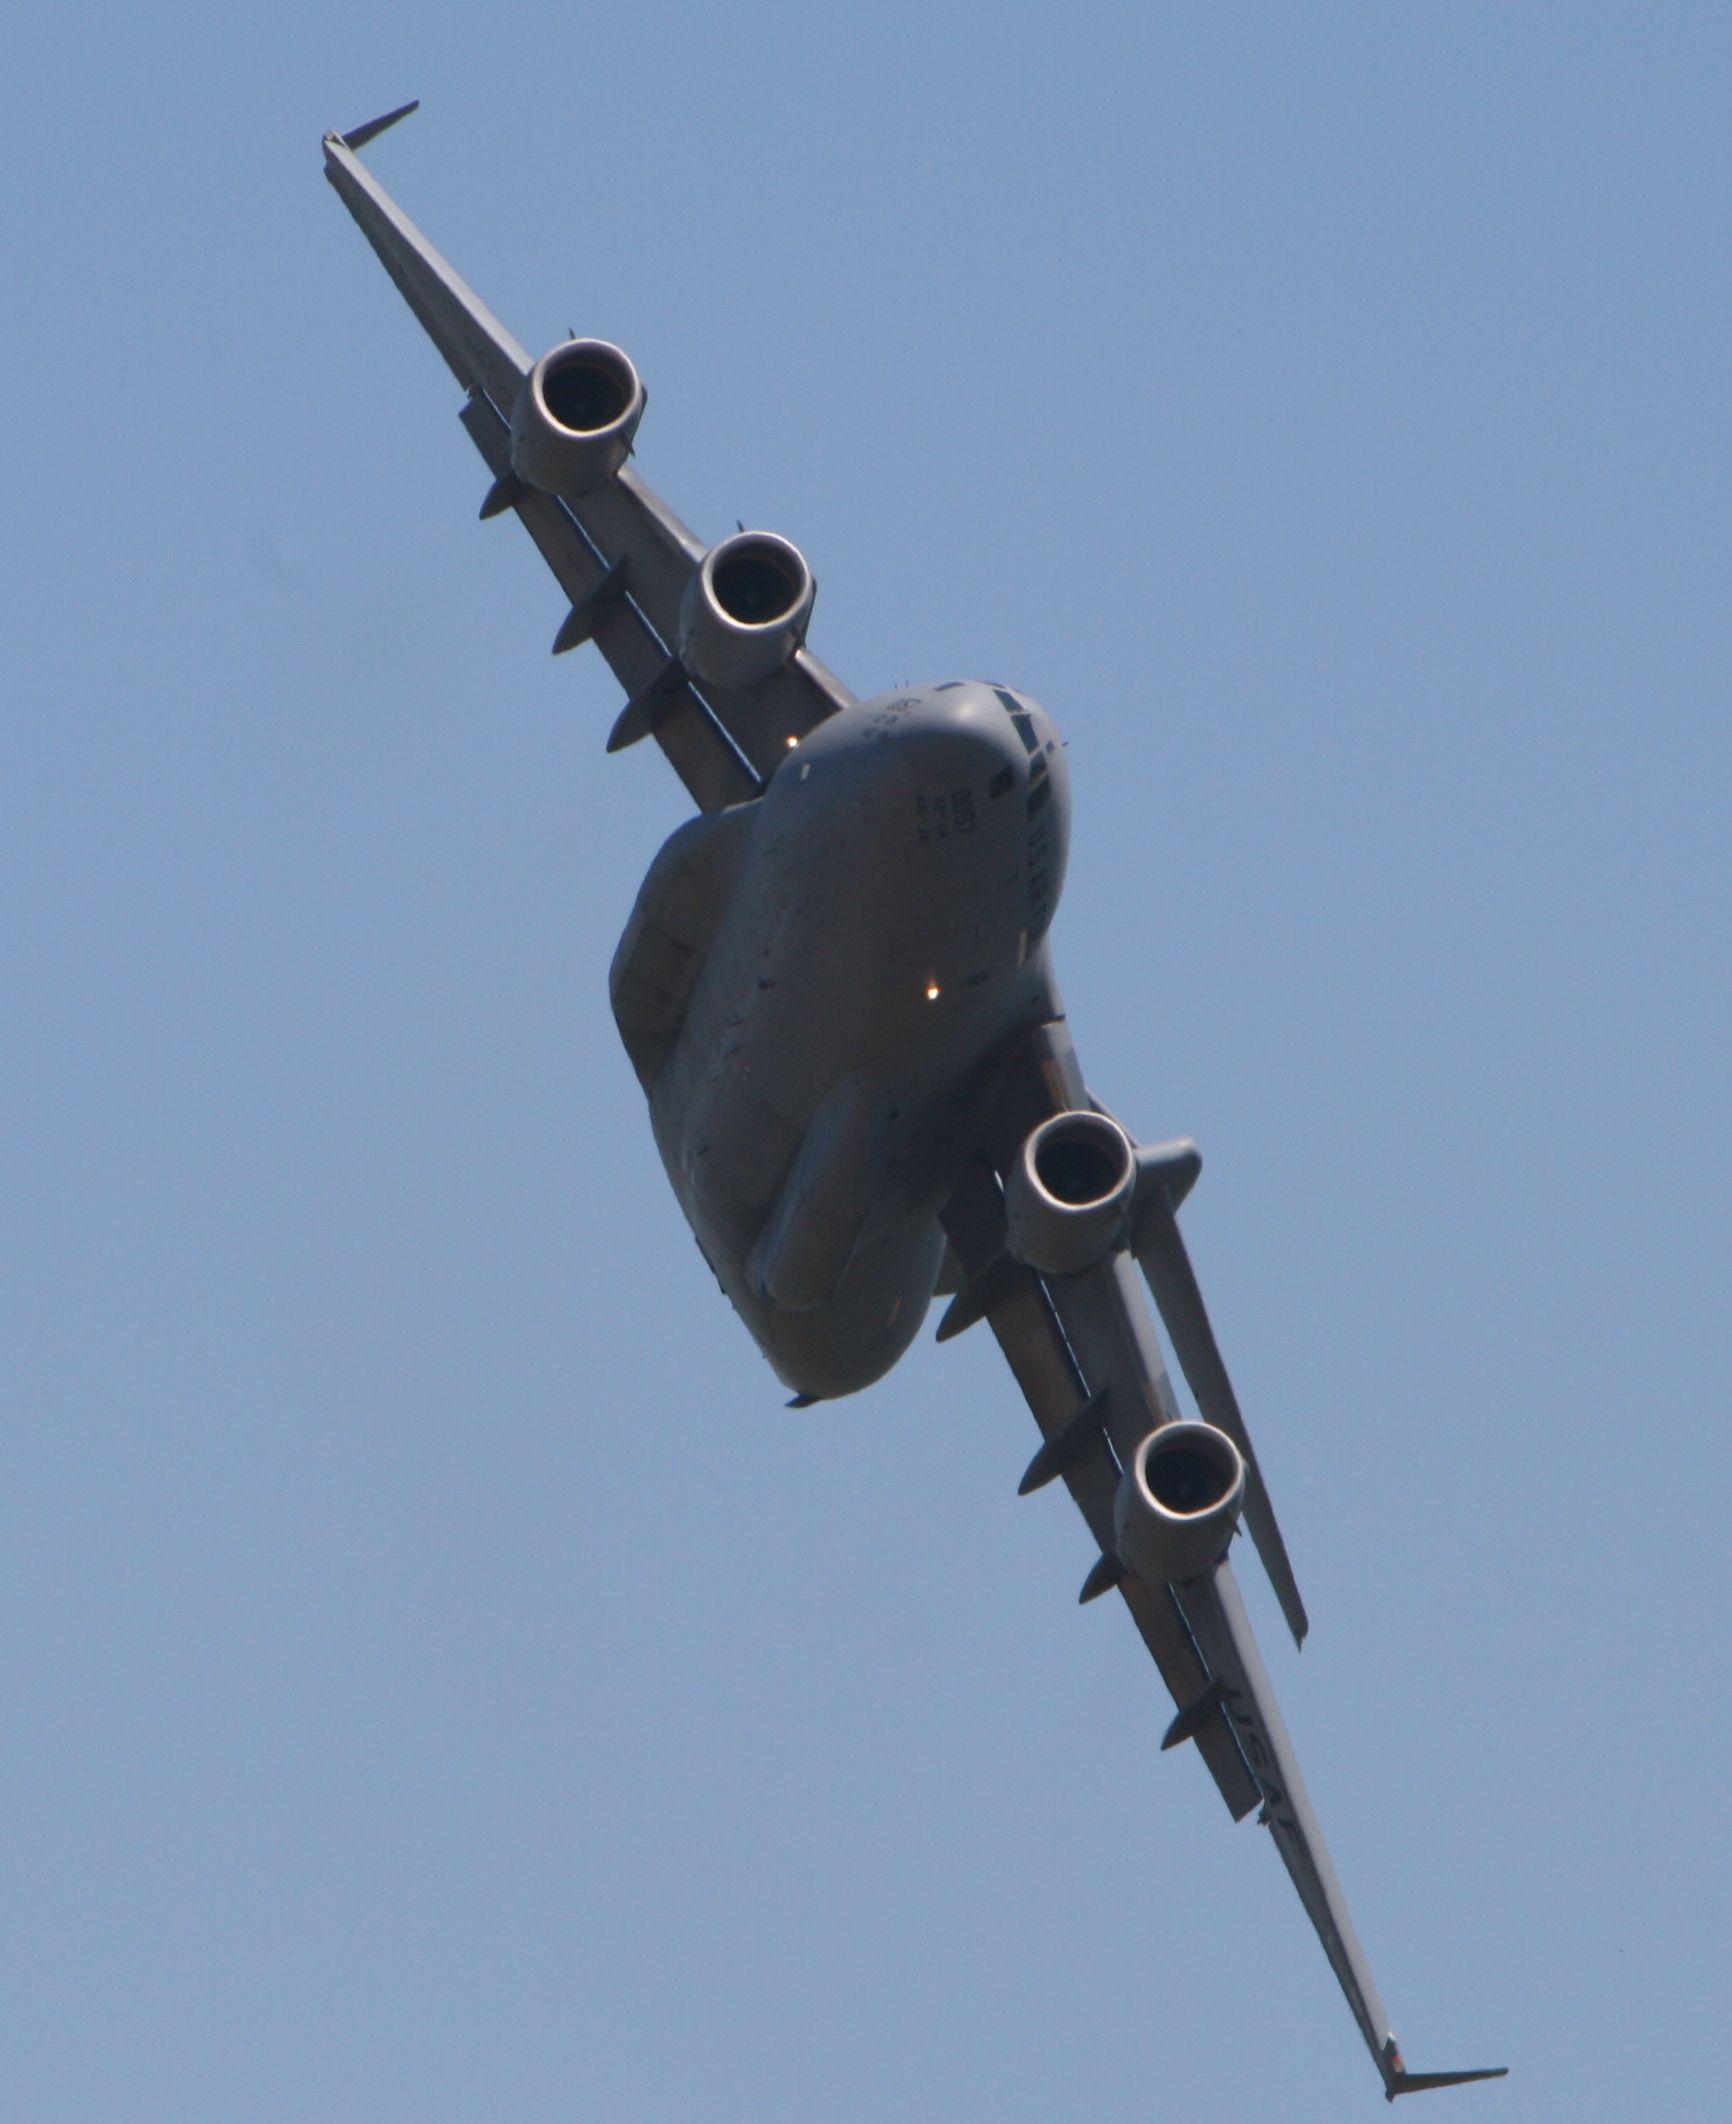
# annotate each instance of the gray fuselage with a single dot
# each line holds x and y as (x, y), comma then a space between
(815, 987)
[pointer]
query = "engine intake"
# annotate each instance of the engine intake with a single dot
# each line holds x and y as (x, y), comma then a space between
(746, 610)
(1178, 1502)
(1067, 1197)
(575, 416)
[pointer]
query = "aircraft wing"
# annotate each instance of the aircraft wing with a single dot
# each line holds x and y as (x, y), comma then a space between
(619, 553)
(1017, 1306)
(1083, 1349)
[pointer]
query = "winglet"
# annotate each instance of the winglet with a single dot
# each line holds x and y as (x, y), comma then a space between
(1397, 2080)
(375, 126)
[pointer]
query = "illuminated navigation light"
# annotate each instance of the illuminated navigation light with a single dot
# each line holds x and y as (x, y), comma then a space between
(932, 991)
(792, 742)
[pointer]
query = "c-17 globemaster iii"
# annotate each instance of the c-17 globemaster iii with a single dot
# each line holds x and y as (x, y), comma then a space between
(837, 992)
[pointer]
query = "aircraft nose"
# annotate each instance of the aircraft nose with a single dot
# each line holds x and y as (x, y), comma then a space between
(964, 729)
(965, 751)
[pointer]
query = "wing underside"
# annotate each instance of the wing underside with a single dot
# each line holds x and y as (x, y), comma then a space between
(1083, 1349)
(1027, 1329)
(622, 558)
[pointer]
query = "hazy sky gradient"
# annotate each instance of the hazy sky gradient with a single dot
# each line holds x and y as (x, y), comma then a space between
(442, 1681)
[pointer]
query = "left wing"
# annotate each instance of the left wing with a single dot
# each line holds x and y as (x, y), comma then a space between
(624, 560)
(1161, 1496)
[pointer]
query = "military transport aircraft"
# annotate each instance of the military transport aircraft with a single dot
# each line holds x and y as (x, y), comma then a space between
(836, 990)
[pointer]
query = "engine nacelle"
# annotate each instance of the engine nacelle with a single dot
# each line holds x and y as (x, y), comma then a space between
(746, 610)
(575, 416)
(1067, 1198)
(1178, 1503)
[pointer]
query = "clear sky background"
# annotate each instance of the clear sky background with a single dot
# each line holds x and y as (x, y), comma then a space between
(441, 1680)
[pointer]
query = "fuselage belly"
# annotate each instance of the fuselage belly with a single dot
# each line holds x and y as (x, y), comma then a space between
(879, 939)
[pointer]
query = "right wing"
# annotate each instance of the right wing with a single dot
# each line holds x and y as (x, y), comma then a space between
(1014, 1302)
(1216, 1613)
(1083, 1350)
(619, 553)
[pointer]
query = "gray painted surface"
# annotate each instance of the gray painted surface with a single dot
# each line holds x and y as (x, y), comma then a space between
(835, 989)
(881, 945)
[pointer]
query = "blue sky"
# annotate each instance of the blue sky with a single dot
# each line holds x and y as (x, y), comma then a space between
(443, 1682)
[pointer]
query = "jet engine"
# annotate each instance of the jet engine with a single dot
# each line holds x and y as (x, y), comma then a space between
(1178, 1502)
(746, 610)
(1067, 1197)
(575, 417)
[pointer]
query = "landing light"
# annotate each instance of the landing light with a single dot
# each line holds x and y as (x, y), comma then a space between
(932, 991)
(792, 742)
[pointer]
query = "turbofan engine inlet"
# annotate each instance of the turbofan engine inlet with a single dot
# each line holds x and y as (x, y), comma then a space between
(575, 416)
(1068, 1194)
(1178, 1502)
(746, 610)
